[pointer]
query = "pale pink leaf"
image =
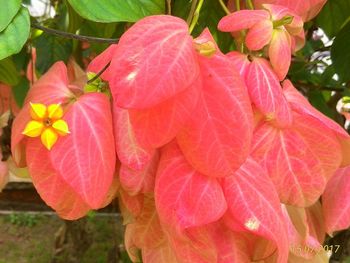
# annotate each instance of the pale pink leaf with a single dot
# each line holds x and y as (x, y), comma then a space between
(280, 52)
(50, 184)
(154, 61)
(242, 19)
(307, 9)
(266, 93)
(336, 201)
(301, 105)
(185, 197)
(253, 201)
(292, 166)
(129, 151)
(259, 35)
(216, 140)
(156, 126)
(240, 61)
(134, 181)
(86, 157)
(319, 141)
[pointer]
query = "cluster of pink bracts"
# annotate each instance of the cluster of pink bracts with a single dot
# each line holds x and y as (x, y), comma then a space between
(218, 162)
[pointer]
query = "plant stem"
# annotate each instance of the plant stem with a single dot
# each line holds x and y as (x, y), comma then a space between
(168, 2)
(250, 4)
(238, 5)
(74, 36)
(191, 13)
(224, 7)
(99, 73)
(196, 15)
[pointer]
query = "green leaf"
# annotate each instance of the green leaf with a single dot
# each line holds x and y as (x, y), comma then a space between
(15, 35)
(340, 53)
(51, 49)
(117, 10)
(333, 16)
(8, 11)
(20, 91)
(8, 72)
(181, 8)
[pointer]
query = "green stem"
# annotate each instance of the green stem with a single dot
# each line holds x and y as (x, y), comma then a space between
(191, 13)
(224, 7)
(250, 4)
(238, 5)
(196, 15)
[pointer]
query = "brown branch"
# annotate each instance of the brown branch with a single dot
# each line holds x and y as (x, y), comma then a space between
(74, 36)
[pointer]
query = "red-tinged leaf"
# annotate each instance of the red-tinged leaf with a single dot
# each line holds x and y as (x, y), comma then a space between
(4, 170)
(154, 61)
(101, 61)
(156, 126)
(280, 52)
(130, 206)
(253, 201)
(216, 140)
(185, 197)
(316, 222)
(292, 166)
(319, 141)
(7, 101)
(242, 20)
(50, 184)
(86, 157)
(161, 254)
(240, 62)
(129, 151)
(301, 105)
(266, 93)
(336, 201)
(299, 233)
(146, 231)
(52, 87)
(214, 242)
(320, 257)
(135, 182)
(259, 35)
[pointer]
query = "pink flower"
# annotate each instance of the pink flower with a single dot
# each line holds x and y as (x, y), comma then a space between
(276, 27)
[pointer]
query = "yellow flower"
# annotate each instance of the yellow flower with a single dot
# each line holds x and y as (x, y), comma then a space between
(47, 123)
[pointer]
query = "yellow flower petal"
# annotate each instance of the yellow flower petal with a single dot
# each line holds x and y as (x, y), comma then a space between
(55, 111)
(61, 127)
(38, 111)
(33, 129)
(49, 138)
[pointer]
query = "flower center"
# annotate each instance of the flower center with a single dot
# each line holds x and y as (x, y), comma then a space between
(47, 122)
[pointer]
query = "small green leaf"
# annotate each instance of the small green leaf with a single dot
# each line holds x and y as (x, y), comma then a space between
(117, 10)
(8, 72)
(15, 35)
(340, 53)
(8, 11)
